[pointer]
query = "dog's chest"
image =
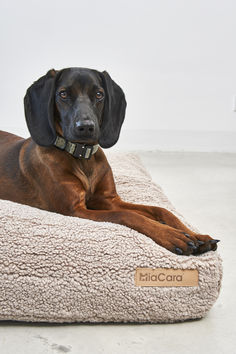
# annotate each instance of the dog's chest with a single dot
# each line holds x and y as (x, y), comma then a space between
(89, 175)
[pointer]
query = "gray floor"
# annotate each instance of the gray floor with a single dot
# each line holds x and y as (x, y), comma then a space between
(202, 186)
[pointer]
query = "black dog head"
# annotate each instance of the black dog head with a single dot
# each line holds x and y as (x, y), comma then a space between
(86, 104)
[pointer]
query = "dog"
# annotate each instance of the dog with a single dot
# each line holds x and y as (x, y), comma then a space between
(71, 115)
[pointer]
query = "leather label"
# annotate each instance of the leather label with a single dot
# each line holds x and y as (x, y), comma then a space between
(166, 277)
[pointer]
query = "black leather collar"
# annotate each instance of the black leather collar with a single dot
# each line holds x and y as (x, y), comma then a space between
(76, 149)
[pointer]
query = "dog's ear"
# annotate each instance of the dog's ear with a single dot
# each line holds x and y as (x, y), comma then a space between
(114, 111)
(39, 109)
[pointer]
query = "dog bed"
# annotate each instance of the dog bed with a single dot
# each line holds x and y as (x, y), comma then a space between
(56, 268)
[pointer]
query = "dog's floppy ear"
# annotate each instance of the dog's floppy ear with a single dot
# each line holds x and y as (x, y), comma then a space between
(39, 109)
(114, 112)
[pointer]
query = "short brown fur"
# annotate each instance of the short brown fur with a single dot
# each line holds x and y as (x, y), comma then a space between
(53, 180)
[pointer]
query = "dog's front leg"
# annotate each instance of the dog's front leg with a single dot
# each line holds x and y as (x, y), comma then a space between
(159, 214)
(172, 239)
(200, 243)
(152, 221)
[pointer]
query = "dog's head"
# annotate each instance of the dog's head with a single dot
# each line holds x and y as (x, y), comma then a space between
(82, 105)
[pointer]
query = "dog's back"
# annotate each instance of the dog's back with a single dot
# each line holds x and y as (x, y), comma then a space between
(12, 181)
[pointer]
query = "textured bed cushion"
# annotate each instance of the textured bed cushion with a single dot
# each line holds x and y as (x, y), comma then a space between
(57, 268)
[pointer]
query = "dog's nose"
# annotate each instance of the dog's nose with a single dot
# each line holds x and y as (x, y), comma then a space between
(85, 127)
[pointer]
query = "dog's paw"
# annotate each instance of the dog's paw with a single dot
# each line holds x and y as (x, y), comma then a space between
(197, 244)
(205, 243)
(182, 243)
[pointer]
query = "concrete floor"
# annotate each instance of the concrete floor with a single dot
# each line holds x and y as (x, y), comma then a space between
(202, 186)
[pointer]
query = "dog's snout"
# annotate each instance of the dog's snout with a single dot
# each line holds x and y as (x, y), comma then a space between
(85, 127)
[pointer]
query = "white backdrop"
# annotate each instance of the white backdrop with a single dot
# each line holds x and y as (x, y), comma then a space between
(175, 59)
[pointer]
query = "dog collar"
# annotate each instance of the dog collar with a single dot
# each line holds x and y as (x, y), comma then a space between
(75, 149)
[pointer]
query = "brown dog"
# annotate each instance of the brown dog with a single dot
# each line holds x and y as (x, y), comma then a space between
(62, 169)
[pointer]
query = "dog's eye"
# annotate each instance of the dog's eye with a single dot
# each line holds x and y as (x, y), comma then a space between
(63, 94)
(99, 95)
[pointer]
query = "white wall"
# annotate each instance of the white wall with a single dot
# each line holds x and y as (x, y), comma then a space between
(175, 59)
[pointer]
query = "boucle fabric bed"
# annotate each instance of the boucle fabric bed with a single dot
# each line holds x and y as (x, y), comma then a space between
(56, 268)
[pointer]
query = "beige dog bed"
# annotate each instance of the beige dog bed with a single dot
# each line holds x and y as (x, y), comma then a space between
(57, 268)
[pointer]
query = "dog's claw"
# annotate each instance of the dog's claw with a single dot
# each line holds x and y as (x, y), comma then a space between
(214, 241)
(187, 235)
(200, 243)
(178, 250)
(192, 245)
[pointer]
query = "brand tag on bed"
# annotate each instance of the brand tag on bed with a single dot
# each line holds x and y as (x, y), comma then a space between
(166, 277)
